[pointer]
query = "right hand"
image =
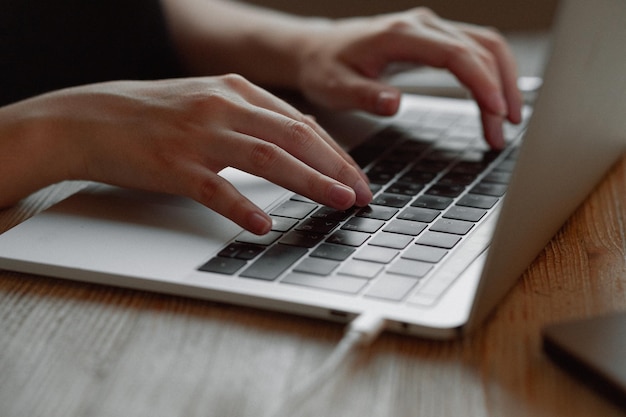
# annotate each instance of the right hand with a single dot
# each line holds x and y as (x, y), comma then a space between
(174, 136)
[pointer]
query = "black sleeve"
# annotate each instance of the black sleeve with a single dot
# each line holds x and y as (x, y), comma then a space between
(50, 44)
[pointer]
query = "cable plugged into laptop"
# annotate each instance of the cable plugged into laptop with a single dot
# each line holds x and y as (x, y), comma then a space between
(360, 332)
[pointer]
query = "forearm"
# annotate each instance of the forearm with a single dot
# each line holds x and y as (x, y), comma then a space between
(31, 157)
(217, 37)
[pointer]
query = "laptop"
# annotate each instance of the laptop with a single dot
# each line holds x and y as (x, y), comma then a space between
(451, 228)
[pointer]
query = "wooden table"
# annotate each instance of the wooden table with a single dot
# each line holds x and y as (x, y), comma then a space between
(71, 349)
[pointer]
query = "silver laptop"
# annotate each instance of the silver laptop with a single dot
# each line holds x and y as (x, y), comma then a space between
(451, 228)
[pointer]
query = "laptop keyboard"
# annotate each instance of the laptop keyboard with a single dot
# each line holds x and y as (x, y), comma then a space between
(433, 184)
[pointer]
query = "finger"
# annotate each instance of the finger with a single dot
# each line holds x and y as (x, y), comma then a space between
(493, 131)
(335, 146)
(495, 43)
(218, 194)
(348, 88)
(270, 161)
(436, 43)
(474, 66)
(259, 97)
(304, 144)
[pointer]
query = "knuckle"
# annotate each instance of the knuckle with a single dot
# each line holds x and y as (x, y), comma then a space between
(235, 81)
(424, 14)
(202, 101)
(343, 169)
(265, 155)
(404, 22)
(395, 25)
(493, 38)
(459, 50)
(301, 134)
(208, 190)
(313, 181)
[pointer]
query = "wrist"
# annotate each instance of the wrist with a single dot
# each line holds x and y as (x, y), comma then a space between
(32, 153)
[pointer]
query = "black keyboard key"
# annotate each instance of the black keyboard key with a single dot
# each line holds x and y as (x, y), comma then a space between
(333, 252)
(361, 269)
(439, 240)
(456, 227)
(418, 177)
(365, 155)
(222, 265)
(274, 262)
(301, 198)
(418, 214)
(362, 224)
(410, 268)
(469, 214)
(446, 190)
(231, 250)
(375, 188)
(302, 239)
(241, 251)
(469, 167)
(455, 178)
(316, 225)
(376, 254)
(283, 224)
(506, 166)
(432, 202)
(391, 200)
(294, 209)
(392, 240)
(405, 227)
(413, 147)
(405, 188)
(380, 177)
(316, 266)
(433, 167)
(423, 253)
(348, 238)
(377, 212)
(443, 155)
(373, 147)
(332, 214)
(499, 177)
(478, 201)
(487, 188)
(263, 240)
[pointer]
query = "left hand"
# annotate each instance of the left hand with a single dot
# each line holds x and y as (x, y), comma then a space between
(340, 66)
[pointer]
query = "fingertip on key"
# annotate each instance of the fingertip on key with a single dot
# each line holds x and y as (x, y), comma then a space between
(363, 193)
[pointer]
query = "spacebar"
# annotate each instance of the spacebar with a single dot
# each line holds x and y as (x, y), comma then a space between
(274, 262)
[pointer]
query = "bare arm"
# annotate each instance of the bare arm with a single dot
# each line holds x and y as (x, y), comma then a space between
(174, 136)
(337, 63)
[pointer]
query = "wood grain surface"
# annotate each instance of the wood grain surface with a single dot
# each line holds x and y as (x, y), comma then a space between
(72, 349)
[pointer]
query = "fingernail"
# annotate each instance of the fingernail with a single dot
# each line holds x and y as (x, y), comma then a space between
(363, 193)
(495, 134)
(259, 224)
(497, 104)
(342, 196)
(386, 103)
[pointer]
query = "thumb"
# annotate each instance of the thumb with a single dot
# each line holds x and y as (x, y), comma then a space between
(373, 96)
(354, 91)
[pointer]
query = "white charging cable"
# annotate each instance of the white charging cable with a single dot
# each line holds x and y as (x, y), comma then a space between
(360, 332)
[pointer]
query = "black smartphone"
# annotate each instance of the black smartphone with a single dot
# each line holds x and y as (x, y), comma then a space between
(594, 350)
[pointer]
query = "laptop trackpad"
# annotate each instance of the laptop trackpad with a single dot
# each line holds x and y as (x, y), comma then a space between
(129, 232)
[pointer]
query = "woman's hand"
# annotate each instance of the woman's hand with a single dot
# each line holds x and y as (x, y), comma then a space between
(341, 62)
(174, 136)
(337, 63)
